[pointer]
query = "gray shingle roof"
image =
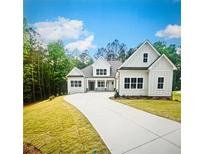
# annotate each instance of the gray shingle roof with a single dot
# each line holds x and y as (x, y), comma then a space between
(114, 66)
(88, 71)
(75, 72)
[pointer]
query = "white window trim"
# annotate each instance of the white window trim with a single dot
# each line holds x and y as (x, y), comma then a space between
(76, 83)
(160, 83)
(101, 72)
(145, 57)
(100, 84)
(130, 83)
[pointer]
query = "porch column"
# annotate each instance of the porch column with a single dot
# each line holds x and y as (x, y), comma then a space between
(114, 82)
(96, 84)
(86, 85)
(105, 84)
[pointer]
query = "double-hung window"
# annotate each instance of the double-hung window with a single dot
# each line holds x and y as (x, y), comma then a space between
(126, 83)
(133, 83)
(139, 83)
(145, 57)
(101, 72)
(105, 72)
(160, 84)
(72, 83)
(97, 71)
(101, 84)
(75, 83)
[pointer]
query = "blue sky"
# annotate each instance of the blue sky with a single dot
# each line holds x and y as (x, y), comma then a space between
(97, 22)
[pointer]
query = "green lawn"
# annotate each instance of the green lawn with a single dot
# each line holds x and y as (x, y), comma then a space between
(58, 127)
(170, 109)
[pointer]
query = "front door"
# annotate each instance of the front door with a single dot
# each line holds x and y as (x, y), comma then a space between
(110, 85)
(91, 85)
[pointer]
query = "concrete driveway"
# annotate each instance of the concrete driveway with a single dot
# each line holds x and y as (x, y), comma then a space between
(126, 130)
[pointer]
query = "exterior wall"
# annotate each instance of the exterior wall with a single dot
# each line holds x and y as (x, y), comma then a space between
(136, 60)
(96, 85)
(153, 81)
(160, 69)
(72, 90)
(133, 92)
(101, 64)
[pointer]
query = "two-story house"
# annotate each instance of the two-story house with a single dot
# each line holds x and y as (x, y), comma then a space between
(145, 73)
(100, 76)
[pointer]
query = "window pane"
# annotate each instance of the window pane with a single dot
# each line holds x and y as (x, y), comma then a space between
(140, 80)
(72, 84)
(160, 86)
(133, 85)
(127, 86)
(133, 80)
(127, 80)
(160, 79)
(139, 86)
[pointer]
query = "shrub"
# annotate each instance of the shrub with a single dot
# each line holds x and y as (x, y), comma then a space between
(116, 94)
(51, 97)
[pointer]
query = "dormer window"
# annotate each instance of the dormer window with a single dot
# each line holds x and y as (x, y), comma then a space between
(145, 57)
(101, 72)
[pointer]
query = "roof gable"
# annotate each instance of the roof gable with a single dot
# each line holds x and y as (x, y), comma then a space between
(136, 59)
(101, 61)
(161, 58)
(75, 72)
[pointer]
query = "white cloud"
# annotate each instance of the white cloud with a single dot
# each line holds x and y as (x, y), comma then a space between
(68, 30)
(171, 31)
(60, 28)
(81, 45)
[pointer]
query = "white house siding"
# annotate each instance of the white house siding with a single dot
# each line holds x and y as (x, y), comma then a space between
(160, 69)
(72, 90)
(136, 74)
(99, 79)
(153, 81)
(101, 64)
(136, 60)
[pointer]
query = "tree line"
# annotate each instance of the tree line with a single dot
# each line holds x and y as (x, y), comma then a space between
(45, 66)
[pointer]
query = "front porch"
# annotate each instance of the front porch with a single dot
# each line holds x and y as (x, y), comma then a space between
(100, 84)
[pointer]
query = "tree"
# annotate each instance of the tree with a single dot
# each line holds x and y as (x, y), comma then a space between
(84, 59)
(59, 66)
(171, 52)
(113, 51)
(45, 66)
(100, 53)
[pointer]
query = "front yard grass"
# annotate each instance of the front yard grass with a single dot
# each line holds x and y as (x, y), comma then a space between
(170, 109)
(58, 127)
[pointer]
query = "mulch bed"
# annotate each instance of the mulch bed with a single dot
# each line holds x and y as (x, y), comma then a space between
(142, 97)
(30, 149)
